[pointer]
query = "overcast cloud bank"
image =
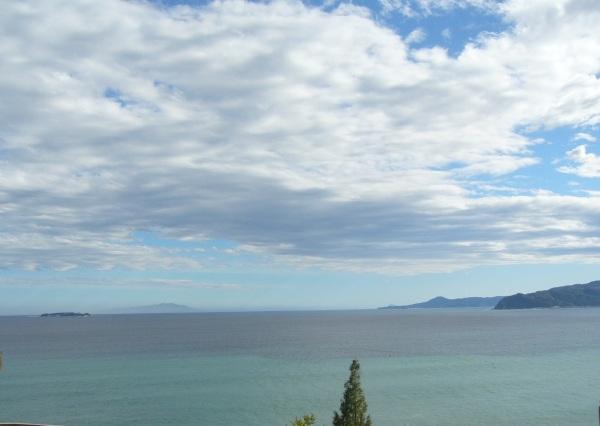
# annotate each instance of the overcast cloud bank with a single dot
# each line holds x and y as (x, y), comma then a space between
(318, 138)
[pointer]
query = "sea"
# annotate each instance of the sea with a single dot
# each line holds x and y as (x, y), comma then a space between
(418, 367)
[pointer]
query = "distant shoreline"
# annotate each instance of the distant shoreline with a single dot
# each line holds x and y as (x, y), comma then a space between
(332, 311)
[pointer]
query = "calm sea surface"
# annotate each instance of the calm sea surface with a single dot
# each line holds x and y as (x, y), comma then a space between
(428, 367)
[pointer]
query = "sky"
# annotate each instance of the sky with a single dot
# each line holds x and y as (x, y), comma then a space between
(235, 155)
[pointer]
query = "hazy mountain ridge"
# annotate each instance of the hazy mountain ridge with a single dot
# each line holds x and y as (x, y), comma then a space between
(442, 302)
(160, 308)
(576, 295)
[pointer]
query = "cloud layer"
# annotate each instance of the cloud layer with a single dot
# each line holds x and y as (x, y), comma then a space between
(318, 138)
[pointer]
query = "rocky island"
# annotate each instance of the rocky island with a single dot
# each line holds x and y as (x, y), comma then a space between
(66, 314)
(576, 295)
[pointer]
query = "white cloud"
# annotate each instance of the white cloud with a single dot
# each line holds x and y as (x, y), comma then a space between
(585, 164)
(416, 36)
(69, 280)
(317, 138)
(428, 7)
(586, 137)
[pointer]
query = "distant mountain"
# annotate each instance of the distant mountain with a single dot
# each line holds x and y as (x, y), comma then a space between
(442, 302)
(565, 296)
(161, 308)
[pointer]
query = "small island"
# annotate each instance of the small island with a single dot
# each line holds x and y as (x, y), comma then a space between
(66, 314)
(576, 295)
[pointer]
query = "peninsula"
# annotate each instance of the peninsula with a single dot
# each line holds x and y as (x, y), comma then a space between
(442, 302)
(576, 295)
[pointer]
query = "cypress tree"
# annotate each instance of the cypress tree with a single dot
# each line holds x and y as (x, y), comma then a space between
(307, 420)
(353, 408)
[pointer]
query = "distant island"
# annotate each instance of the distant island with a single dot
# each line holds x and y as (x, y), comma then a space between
(442, 302)
(66, 314)
(563, 297)
(161, 308)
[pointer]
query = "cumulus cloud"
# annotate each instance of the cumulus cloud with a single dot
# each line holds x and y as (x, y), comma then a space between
(584, 164)
(317, 138)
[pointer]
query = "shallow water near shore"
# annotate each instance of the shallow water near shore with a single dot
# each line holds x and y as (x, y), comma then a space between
(429, 367)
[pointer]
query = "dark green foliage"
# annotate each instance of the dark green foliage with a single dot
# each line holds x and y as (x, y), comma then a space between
(353, 408)
(307, 420)
(566, 296)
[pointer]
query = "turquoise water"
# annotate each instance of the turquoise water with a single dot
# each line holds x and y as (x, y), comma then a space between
(230, 370)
